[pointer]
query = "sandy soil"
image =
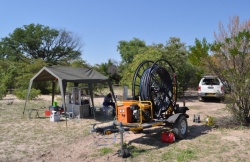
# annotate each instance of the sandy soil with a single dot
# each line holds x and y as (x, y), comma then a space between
(86, 148)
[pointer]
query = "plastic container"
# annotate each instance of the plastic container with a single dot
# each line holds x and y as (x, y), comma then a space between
(54, 104)
(55, 116)
(209, 121)
(47, 113)
(107, 111)
(167, 137)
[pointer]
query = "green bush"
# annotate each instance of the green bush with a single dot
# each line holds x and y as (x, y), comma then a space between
(21, 94)
(2, 92)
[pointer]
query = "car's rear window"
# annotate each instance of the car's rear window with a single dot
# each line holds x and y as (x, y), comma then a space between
(210, 81)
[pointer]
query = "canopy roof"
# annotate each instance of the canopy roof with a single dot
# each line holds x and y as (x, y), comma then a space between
(69, 74)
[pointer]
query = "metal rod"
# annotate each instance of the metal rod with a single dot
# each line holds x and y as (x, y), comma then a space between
(121, 131)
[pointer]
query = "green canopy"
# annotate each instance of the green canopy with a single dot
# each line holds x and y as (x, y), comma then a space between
(68, 74)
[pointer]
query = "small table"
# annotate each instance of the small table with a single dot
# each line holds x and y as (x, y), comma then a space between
(36, 110)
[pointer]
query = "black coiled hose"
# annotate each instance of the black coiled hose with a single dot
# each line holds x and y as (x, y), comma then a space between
(144, 85)
(156, 86)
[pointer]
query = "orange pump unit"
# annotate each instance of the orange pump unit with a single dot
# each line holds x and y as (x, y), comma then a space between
(124, 114)
(130, 111)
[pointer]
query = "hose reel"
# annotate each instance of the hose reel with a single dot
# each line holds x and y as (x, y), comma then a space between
(156, 82)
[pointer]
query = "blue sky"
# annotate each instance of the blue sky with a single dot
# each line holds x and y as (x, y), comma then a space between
(101, 24)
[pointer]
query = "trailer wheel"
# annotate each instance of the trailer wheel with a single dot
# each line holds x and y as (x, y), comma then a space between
(180, 127)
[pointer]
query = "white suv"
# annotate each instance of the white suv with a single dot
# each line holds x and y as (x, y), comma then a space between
(210, 87)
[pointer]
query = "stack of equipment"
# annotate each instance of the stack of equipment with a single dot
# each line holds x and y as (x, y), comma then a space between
(55, 116)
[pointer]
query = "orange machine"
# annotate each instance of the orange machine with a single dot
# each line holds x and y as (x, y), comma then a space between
(124, 113)
(130, 111)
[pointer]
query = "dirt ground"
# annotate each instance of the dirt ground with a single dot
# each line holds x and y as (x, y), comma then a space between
(224, 141)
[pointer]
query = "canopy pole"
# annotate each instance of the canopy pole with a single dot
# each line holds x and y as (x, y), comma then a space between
(53, 91)
(63, 85)
(91, 97)
(27, 96)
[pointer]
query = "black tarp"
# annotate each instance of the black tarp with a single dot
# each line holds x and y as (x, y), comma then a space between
(68, 74)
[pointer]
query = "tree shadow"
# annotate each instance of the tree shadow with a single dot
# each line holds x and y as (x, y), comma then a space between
(152, 137)
(213, 100)
(229, 122)
(195, 131)
(193, 96)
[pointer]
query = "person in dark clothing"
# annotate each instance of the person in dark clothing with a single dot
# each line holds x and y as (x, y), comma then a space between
(108, 101)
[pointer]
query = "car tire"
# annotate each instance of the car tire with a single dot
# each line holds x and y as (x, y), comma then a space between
(200, 99)
(222, 99)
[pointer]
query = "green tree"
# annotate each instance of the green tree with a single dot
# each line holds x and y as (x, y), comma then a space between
(231, 62)
(8, 73)
(174, 52)
(16, 75)
(26, 71)
(40, 42)
(110, 69)
(199, 56)
(147, 53)
(79, 63)
(199, 52)
(128, 49)
(3, 76)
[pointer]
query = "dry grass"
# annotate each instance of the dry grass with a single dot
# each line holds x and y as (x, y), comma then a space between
(24, 139)
(21, 136)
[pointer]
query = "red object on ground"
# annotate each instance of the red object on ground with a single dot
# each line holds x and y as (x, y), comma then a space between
(61, 110)
(47, 112)
(167, 137)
